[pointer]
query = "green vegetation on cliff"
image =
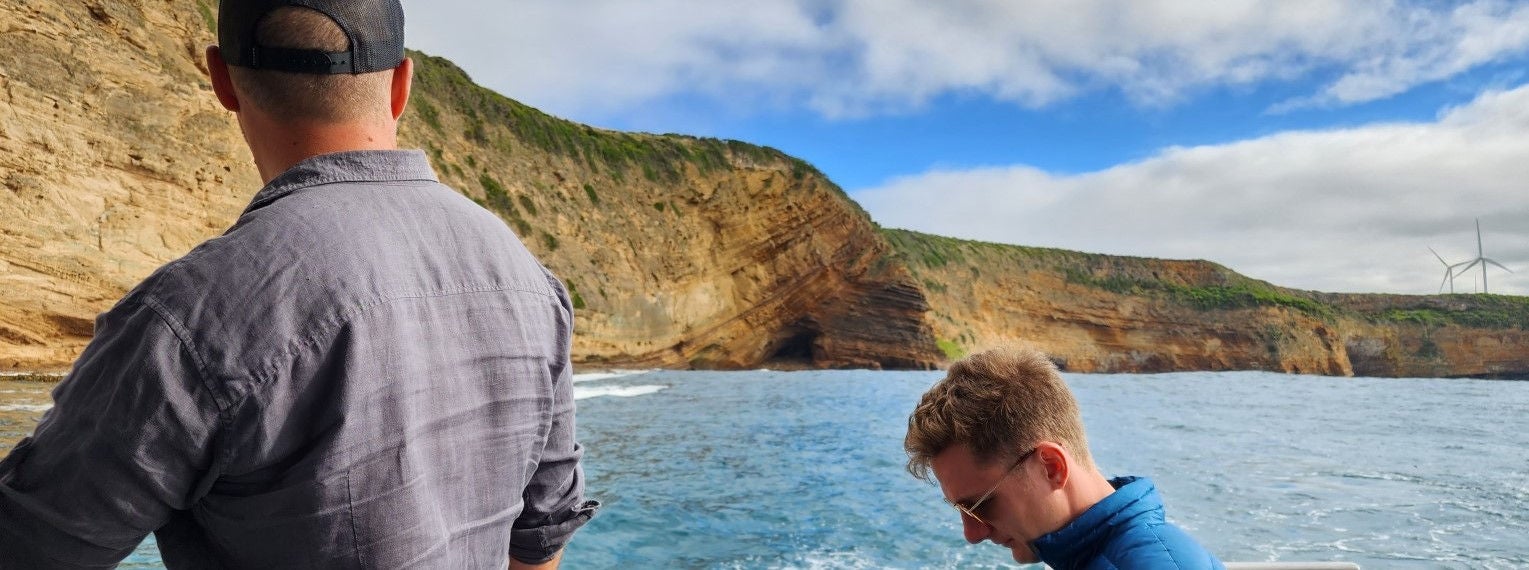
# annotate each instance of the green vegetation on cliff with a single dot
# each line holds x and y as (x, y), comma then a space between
(454, 108)
(1241, 293)
(659, 159)
(1467, 310)
(1217, 288)
(1204, 285)
(207, 17)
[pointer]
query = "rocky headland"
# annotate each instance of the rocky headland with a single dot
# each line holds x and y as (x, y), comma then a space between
(679, 251)
(1103, 313)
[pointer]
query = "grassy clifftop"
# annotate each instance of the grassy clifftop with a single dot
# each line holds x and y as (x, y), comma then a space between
(1205, 286)
(499, 123)
(1117, 313)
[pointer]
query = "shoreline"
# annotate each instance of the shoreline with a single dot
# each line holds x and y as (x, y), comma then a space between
(39, 376)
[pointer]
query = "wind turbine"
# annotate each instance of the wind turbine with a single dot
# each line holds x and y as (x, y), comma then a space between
(1449, 272)
(1481, 260)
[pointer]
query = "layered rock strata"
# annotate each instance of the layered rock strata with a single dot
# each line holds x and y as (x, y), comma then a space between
(1100, 313)
(115, 159)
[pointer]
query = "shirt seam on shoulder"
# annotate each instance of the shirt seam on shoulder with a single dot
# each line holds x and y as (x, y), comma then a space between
(223, 455)
(183, 335)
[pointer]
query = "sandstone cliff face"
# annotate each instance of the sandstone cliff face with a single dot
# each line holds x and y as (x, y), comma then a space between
(115, 158)
(1435, 336)
(1098, 313)
(683, 252)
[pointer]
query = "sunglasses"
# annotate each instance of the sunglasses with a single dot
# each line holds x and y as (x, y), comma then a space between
(971, 510)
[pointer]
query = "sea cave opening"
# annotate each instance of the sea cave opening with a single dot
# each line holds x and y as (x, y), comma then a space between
(796, 350)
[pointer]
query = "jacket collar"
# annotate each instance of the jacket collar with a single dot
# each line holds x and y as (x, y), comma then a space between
(349, 166)
(1082, 538)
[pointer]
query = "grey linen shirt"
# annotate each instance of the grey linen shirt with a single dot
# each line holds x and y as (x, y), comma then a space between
(367, 371)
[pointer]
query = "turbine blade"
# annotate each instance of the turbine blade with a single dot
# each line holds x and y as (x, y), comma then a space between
(1499, 265)
(1468, 265)
(1479, 252)
(1439, 257)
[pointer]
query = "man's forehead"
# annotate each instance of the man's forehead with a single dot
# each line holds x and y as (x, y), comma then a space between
(958, 472)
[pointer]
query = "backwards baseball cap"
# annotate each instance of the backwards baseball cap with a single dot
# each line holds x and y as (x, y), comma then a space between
(375, 29)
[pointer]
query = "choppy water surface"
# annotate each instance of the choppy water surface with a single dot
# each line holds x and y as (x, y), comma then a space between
(804, 469)
(764, 469)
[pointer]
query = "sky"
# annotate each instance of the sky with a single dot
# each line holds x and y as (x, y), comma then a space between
(1314, 144)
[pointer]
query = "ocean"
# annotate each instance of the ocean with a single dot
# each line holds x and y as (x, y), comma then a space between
(805, 469)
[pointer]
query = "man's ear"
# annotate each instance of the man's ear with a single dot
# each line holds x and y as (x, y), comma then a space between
(403, 81)
(222, 84)
(1057, 463)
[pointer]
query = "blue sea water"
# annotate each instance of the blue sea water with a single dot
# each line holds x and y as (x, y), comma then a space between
(805, 469)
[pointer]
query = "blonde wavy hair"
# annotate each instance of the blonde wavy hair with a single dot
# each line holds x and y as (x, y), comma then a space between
(999, 403)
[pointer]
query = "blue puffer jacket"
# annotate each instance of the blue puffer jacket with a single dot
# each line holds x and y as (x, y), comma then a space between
(1126, 530)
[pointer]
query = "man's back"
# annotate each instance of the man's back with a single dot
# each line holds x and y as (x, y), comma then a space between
(368, 370)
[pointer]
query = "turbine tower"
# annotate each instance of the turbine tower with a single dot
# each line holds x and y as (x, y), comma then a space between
(1481, 260)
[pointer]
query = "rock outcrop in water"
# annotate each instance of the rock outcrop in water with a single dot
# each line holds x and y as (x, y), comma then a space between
(679, 251)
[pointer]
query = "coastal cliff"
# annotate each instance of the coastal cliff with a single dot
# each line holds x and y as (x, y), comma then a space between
(114, 158)
(678, 251)
(1102, 313)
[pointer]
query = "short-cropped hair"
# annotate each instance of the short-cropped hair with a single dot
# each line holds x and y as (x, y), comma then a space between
(999, 403)
(323, 98)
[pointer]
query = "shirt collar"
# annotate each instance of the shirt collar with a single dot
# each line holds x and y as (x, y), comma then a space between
(348, 166)
(1085, 535)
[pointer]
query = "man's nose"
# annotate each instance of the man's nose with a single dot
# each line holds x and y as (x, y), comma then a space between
(974, 529)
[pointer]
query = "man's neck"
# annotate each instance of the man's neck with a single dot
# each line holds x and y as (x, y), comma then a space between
(1086, 491)
(277, 147)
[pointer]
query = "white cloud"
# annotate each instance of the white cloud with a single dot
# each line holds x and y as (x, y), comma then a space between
(592, 56)
(1430, 47)
(855, 57)
(1337, 210)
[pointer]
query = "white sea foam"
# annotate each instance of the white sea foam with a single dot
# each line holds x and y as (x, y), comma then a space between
(582, 392)
(592, 376)
(26, 407)
(830, 561)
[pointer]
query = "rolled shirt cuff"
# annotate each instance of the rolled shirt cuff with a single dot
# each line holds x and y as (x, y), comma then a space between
(536, 545)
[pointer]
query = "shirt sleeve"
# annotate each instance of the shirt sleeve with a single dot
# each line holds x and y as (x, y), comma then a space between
(128, 441)
(554, 505)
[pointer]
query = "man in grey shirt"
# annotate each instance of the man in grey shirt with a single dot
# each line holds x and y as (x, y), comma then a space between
(366, 371)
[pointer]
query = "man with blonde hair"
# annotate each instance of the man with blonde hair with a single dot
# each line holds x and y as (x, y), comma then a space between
(366, 371)
(1003, 436)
